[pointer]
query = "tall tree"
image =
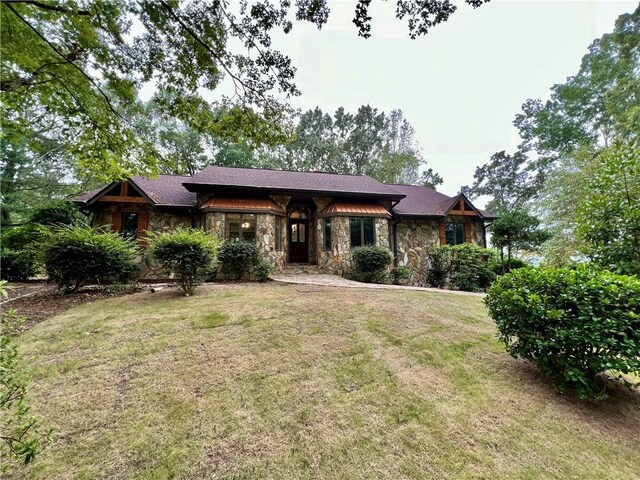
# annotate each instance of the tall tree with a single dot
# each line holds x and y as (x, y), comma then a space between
(608, 214)
(367, 142)
(507, 180)
(595, 106)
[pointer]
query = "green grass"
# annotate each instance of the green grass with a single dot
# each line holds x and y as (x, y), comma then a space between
(275, 381)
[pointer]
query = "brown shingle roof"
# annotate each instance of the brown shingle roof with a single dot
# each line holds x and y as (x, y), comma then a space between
(426, 202)
(301, 182)
(242, 205)
(354, 209)
(421, 201)
(165, 190)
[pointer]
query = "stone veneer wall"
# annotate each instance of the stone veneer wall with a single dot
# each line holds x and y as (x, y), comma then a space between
(412, 237)
(214, 222)
(159, 221)
(338, 260)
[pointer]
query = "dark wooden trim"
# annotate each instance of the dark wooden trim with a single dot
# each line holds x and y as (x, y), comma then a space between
(115, 198)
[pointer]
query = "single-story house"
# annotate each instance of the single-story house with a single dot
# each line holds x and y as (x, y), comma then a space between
(294, 217)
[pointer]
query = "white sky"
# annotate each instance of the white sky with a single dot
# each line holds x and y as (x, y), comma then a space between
(461, 85)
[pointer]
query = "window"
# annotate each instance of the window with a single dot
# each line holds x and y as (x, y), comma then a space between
(327, 234)
(240, 226)
(361, 231)
(279, 233)
(130, 225)
(454, 233)
(298, 232)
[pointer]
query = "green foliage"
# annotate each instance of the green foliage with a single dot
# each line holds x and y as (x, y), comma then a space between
(238, 257)
(608, 213)
(22, 436)
(58, 213)
(75, 255)
(84, 73)
(190, 254)
(25, 237)
(573, 324)
(262, 270)
(17, 265)
(464, 267)
(435, 265)
(401, 274)
(500, 268)
(370, 264)
(368, 142)
(595, 106)
(517, 230)
(508, 180)
(469, 269)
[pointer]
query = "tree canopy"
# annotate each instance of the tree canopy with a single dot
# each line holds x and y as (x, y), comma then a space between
(78, 64)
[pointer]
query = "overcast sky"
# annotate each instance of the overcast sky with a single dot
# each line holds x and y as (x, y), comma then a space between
(462, 84)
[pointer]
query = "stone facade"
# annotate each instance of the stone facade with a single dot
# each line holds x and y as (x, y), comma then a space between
(412, 236)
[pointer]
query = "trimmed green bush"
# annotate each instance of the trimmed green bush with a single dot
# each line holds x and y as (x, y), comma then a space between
(464, 267)
(17, 265)
(470, 267)
(401, 274)
(262, 270)
(370, 264)
(75, 255)
(238, 257)
(189, 254)
(573, 324)
(435, 265)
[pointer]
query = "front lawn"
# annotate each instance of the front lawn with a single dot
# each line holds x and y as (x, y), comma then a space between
(284, 381)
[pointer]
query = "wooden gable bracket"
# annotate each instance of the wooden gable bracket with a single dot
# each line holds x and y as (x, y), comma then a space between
(461, 210)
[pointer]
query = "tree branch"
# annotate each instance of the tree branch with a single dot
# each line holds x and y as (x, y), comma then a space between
(53, 8)
(55, 49)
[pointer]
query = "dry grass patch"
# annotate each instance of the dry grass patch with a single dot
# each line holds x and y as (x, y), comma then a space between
(279, 381)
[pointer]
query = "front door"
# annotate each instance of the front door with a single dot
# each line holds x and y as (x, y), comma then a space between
(298, 238)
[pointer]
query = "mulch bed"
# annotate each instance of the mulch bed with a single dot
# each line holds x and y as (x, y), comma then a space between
(38, 300)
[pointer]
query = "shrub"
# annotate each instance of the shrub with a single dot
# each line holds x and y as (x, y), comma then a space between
(17, 265)
(22, 435)
(465, 267)
(435, 266)
(190, 254)
(370, 264)
(74, 255)
(401, 274)
(500, 268)
(573, 324)
(58, 213)
(238, 257)
(469, 269)
(25, 237)
(262, 270)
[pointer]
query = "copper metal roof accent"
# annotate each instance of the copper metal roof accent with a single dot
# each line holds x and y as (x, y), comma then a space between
(354, 209)
(242, 205)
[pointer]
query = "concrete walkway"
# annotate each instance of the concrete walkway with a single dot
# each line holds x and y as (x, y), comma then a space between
(337, 281)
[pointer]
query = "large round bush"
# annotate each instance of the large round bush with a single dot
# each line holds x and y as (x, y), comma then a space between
(76, 255)
(573, 324)
(189, 254)
(370, 264)
(238, 257)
